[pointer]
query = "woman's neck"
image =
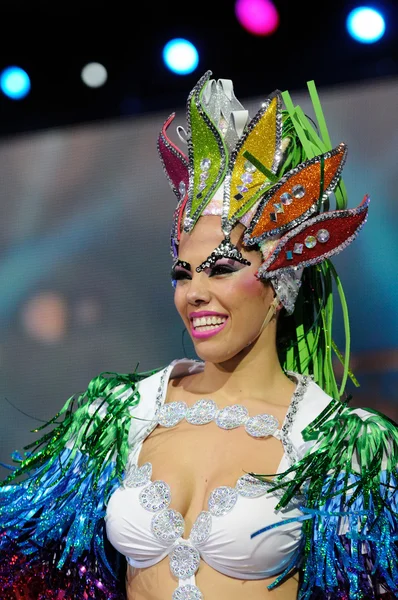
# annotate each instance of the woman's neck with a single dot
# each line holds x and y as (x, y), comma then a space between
(252, 373)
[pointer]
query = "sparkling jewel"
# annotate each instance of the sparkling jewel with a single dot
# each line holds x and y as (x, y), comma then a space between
(298, 248)
(242, 189)
(168, 525)
(205, 164)
(201, 528)
(247, 178)
(202, 412)
(322, 236)
(289, 255)
(273, 217)
(182, 189)
(156, 496)
(232, 416)
(184, 561)
(310, 241)
(172, 413)
(249, 167)
(286, 198)
(222, 500)
(261, 425)
(279, 207)
(187, 592)
(298, 191)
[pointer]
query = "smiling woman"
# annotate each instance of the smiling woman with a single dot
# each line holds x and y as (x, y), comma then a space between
(242, 472)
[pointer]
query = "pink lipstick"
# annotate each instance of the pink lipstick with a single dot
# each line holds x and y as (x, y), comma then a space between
(209, 332)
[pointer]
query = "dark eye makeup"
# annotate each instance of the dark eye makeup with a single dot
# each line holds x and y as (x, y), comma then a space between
(222, 267)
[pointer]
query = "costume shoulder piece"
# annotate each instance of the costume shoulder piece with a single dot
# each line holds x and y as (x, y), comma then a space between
(52, 506)
(349, 479)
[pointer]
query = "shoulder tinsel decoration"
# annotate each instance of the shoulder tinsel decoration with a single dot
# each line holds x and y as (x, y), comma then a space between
(52, 507)
(349, 479)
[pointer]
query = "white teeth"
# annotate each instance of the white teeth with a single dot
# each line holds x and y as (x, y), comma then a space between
(208, 322)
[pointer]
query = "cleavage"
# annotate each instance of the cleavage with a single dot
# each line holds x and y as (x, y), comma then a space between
(195, 459)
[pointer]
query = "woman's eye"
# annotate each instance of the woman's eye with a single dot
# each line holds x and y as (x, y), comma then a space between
(221, 270)
(176, 275)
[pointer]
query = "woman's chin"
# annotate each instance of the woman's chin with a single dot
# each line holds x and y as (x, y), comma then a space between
(214, 354)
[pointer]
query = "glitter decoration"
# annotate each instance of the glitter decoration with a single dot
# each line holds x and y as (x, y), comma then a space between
(187, 592)
(205, 143)
(155, 496)
(308, 184)
(251, 487)
(261, 425)
(172, 413)
(343, 227)
(137, 476)
(184, 561)
(262, 139)
(222, 500)
(298, 248)
(225, 249)
(232, 416)
(202, 412)
(201, 528)
(168, 525)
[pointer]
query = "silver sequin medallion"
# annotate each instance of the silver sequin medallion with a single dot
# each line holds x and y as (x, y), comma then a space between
(184, 561)
(261, 425)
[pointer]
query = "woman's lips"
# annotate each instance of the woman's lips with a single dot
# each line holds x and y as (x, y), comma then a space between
(209, 332)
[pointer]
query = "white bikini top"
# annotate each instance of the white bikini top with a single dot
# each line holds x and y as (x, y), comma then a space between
(141, 525)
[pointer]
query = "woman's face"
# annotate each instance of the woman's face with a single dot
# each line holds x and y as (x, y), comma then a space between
(223, 307)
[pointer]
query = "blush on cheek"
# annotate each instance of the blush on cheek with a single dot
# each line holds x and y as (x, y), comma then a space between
(251, 285)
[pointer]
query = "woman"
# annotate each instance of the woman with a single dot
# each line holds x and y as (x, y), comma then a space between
(243, 472)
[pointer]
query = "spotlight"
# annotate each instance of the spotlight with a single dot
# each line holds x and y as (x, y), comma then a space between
(14, 82)
(365, 24)
(94, 74)
(180, 56)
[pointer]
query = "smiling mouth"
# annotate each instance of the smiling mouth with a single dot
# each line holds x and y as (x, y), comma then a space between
(207, 323)
(205, 327)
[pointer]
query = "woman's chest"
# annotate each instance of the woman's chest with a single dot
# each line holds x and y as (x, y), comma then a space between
(195, 460)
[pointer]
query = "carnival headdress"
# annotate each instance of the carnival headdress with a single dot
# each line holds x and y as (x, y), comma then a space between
(274, 173)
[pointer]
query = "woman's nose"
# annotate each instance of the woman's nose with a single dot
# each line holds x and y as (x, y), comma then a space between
(198, 292)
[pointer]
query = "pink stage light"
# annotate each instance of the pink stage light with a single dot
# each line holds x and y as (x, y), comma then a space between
(259, 17)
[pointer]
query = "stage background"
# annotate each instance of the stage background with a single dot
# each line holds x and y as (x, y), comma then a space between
(85, 263)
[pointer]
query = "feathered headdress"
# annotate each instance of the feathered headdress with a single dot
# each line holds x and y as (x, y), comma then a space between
(273, 173)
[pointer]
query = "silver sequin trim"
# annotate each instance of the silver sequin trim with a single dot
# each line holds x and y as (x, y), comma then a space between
(168, 525)
(137, 476)
(222, 500)
(261, 425)
(187, 592)
(172, 413)
(232, 416)
(184, 561)
(250, 487)
(202, 412)
(201, 528)
(155, 496)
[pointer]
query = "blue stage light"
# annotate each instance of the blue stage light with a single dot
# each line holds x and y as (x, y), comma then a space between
(365, 24)
(180, 56)
(14, 82)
